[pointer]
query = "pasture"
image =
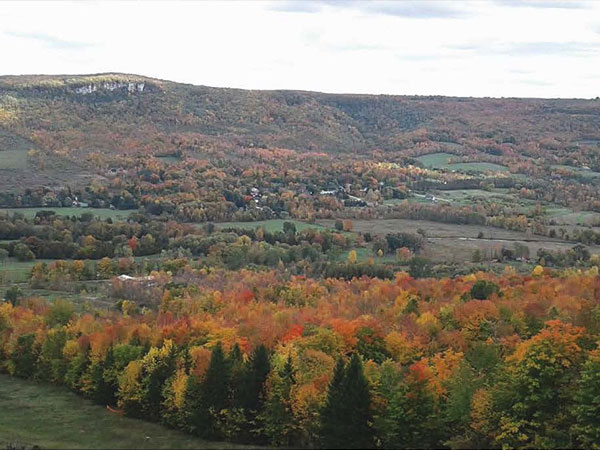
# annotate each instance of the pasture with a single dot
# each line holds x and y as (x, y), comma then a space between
(268, 225)
(52, 417)
(442, 161)
(102, 213)
(456, 243)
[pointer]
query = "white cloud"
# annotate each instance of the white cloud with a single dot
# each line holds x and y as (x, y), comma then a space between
(439, 48)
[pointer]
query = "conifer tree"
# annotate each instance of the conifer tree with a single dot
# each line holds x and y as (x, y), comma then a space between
(346, 416)
(251, 396)
(278, 416)
(332, 420)
(207, 397)
(586, 429)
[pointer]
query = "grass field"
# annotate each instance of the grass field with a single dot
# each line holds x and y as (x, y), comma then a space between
(169, 159)
(441, 161)
(103, 213)
(579, 171)
(363, 254)
(13, 271)
(456, 243)
(268, 225)
(13, 159)
(52, 417)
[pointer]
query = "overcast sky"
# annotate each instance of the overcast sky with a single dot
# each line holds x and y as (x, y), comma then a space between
(498, 48)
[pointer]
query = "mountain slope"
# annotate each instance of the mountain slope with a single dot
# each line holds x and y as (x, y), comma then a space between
(78, 122)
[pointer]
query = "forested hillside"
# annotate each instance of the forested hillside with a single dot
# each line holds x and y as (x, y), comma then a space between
(302, 269)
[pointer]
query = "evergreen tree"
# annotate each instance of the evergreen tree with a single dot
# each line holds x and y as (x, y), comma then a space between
(235, 360)
(207, 397)
(215, 390)
(346, 416)
(105, 386)
(278, 416)
(586, 429)
(331, 415)
(251, 396)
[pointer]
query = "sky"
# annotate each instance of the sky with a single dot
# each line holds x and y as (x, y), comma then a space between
(496, 48)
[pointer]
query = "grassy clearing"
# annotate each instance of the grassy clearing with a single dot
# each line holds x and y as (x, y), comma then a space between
(13, 159)
(52, 417)
(363, 254)
(577, 171)
(103, 213)
(566, 216)
(441, 161)
(169, 159)
(268, 225)
(13, 271)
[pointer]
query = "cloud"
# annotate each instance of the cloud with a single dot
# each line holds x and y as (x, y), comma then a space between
(540, 48)
(547, 4)
(418, 9)
(50, 41)
(551, 48)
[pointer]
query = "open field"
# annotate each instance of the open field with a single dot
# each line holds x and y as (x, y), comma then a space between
(103, 213)
(268, 225)
(13, 159)
(456, 243)
(441, 161)
(13, 271)
(52, 417)
(577, 171)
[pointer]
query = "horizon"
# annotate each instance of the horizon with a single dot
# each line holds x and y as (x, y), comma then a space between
(75, 75)
(492, 49)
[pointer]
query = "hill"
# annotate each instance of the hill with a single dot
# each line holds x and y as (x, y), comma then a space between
(73, 121)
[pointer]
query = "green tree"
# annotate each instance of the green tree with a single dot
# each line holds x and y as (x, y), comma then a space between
(586, 429)
(23, 253)
(214, 393)
(419, 267)
(346, 417)
(251, 395)
(482, 289)
(279, 423)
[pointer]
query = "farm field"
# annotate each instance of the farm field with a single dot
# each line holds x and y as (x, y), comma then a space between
(456, 243)
(269, 225)
(13, 271)
(103, 213)
(579, 171)
(52, 417)
(441, 161)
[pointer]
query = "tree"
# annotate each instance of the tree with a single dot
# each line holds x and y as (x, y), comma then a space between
(13, 294)
(332, 416)
(352, 256)
(419, 267)
(23, 253)
(213, 394)
(280, 424)
(346, 416)
(251, 396)
(586, 429)
(3, 255)
(482, 289)
(289, 227)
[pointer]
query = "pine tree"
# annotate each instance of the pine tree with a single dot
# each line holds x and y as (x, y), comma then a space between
(586, 429)
(207, 398)
(346, 417)
(251, 396)
(278, 418)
